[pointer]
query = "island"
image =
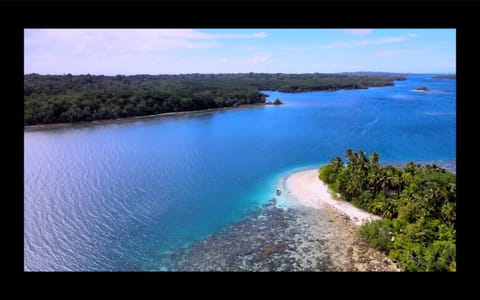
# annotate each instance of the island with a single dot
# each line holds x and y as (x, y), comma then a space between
(409, 213)
(52, 99)
(276, 102)
(422, 89)
(448, 76)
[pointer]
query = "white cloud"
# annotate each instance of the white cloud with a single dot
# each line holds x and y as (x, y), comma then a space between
(228, 35)
(259, 35)
(359, 32)
(88, 49)
(381, 41)
(341, 45)
(65, 41)
(336, 45)
(339, 67)
(259, 58)
(399, 52)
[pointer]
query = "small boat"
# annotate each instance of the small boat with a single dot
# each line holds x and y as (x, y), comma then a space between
(279, 192)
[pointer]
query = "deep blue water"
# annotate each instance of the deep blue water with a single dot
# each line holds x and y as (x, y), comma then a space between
(117, 196)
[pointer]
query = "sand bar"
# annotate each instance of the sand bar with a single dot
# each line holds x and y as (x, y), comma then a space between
(310, 191)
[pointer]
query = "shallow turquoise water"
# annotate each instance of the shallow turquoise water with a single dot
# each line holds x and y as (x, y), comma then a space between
(117, 196)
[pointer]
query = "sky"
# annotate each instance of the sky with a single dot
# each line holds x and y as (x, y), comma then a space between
(180, 51)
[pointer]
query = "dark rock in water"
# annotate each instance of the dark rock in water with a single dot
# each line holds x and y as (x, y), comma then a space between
(269, 249)
(422, 88)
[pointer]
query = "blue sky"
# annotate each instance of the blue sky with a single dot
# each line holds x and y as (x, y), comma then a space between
(175, 51)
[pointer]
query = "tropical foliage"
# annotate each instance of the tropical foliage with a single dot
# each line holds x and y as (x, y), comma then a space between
(68, 98)
(417, 203)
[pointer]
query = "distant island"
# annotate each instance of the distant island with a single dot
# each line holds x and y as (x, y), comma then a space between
(422, 89)
(449, 76)
(51, 99)
(370, 73)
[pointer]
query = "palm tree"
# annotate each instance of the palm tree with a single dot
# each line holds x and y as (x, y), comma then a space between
(428, 200)
(377, 207)
(337, 164)
(412, 168)
(452, 188)
(389, 210)
(407, 178)
(449, 212)
(452, 191)
(382, 181)
(389, 174)
(373, 180)
(374, 158)
(361, 156)
(362, 163)
(349, 154)
(397, 181)
(351, 188)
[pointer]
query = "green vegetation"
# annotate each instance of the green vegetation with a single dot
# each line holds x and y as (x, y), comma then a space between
(449, 76)
(418, 204)
(422, 88)
(67, 98)
(277, 102)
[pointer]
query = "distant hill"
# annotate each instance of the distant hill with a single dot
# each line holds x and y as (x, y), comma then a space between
(370, 73)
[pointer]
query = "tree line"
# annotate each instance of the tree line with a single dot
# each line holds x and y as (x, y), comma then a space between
(417, 203)
(73, 98)
(448, 76)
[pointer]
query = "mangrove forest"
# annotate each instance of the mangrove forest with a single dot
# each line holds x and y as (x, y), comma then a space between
(74, 98)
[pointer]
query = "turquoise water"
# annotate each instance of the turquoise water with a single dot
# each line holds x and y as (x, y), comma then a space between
(118, 196)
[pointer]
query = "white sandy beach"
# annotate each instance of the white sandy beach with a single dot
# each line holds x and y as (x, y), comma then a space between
(310, 191)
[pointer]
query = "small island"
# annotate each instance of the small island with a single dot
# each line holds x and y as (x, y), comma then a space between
(276, 102)
(422, 89)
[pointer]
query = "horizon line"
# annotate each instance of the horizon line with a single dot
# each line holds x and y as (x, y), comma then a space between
(219, 73)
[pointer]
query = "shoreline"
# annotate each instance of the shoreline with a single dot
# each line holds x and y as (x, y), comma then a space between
(136, 118)
(307, 189)
(273, 239)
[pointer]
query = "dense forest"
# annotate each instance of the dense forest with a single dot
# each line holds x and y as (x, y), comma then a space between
(417, 203)
(72, 98)
(370, 73)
